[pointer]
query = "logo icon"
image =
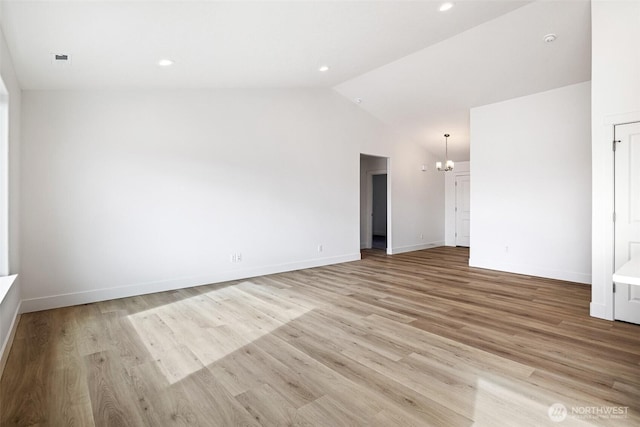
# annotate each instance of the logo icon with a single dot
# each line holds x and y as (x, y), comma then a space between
(557, 412)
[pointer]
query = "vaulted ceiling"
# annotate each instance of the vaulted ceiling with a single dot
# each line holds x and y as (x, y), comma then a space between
(414, 67)
(429, 93)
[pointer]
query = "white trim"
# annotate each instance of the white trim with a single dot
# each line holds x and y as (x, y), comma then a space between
(6, 345)
(620, 119)
(65, 300)
(411, 248)
(389, 208)
(569, 276)
(598, 310)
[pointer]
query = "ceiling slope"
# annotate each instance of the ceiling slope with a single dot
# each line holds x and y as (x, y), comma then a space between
(430, 92)
(223, 44)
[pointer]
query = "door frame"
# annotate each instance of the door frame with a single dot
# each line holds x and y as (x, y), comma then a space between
(603, 231)
(462, 168)
(613, 260)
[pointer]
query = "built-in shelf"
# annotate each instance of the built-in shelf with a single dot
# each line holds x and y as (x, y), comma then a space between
(629, 273)
(5, 285)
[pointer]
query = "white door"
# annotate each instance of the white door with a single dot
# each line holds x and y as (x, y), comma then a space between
(463, 210)
(627, 211)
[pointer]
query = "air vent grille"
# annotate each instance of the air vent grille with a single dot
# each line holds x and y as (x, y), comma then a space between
(60, 59)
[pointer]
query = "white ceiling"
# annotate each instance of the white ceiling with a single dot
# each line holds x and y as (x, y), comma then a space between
(429, 93)
(415, 68)
(223, 44)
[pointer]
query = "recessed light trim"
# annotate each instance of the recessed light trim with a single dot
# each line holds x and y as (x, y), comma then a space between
(549, 38)
(323, 68)
(165, 62)
(445, 6)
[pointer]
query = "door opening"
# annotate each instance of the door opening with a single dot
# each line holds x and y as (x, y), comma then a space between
(379, 211)
(375, 232)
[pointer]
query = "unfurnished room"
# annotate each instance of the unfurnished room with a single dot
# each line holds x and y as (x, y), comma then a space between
(319, 213)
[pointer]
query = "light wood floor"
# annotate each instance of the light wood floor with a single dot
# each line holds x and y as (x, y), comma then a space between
(410, 339)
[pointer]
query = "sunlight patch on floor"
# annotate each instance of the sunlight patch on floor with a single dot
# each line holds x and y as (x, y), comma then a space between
(518, 404)
(187, 335)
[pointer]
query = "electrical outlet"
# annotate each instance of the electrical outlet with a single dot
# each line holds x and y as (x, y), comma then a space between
(233, 257)
(320, 248)
(238, 257)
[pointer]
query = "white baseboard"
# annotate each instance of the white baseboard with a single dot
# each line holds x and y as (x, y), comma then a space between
(6, 345)
(599, 311)
(528, 270)
(86, 297)
(411, 248)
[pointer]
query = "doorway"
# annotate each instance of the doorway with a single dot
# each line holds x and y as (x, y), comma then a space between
(379, 211)
(463, 210)
(374, 203)
(627, 216)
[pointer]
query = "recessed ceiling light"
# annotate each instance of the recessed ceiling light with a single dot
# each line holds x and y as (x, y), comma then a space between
(165, 62)
(323, 68)
(550, 38)
(445, 6)
(358, 100)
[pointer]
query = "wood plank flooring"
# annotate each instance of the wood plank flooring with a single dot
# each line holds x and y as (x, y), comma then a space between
(414, 339)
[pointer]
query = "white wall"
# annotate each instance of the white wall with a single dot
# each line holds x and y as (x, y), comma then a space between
(531, 192)
(127, 192)
(10, 304)
(615, 99)
(418, 223)
(461, 168)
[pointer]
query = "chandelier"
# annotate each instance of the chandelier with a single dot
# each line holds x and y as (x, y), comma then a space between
(448, 164)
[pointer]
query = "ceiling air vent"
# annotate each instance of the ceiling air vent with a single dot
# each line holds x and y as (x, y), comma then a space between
(60, 59)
